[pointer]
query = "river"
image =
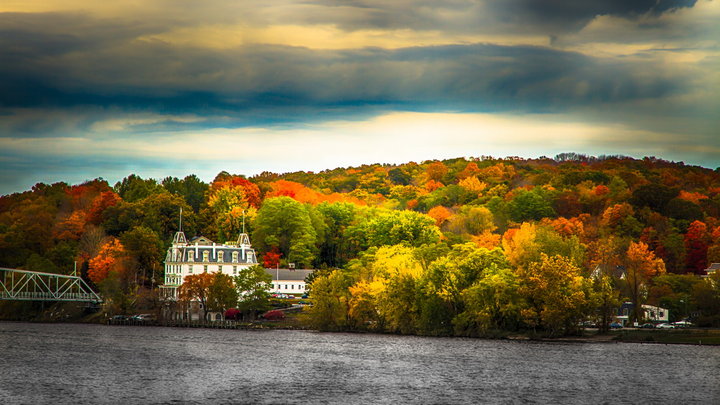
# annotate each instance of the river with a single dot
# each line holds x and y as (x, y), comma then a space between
(77, 363)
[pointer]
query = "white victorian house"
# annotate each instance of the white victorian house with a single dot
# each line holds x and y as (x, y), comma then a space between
(201, 255)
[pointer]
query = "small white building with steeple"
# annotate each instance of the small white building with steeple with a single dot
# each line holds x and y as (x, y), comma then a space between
(201, 255)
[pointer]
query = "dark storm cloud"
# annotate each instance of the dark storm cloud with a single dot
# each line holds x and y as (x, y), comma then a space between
(508, 16)
(255, 84)
(572, 14)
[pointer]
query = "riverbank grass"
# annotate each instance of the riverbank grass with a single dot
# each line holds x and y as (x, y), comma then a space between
(681, 336)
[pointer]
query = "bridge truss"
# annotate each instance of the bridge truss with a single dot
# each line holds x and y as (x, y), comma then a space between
(24, 285)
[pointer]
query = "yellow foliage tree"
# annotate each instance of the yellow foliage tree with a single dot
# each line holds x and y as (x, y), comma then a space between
(557, 296)
(519, 244)
(362, 305)
(473, 185)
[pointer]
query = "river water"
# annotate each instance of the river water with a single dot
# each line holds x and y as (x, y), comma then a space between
(72, 363)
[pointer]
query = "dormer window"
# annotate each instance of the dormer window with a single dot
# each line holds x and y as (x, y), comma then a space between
(190, 256)
(220, 256)
(206, 256)
(234, 257)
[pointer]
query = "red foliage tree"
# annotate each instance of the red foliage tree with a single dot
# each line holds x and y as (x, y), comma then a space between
(102, 202)
(274, 315)
(272, 258)
(251, 190)
(697, 240)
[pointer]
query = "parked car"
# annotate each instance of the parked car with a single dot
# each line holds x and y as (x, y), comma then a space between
(143, 317)
(682, 324)
(648, 326)
(665, 326)
(616, 325)
(119, 318)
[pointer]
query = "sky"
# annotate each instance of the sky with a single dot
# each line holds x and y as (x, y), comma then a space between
(162, 88)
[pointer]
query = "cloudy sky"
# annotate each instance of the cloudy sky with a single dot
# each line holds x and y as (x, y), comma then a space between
(172, 87)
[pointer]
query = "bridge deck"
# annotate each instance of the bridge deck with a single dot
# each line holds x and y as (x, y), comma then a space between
(24, 285)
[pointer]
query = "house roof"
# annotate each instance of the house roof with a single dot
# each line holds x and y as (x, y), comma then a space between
(201, 240)
(713, 267)
(288, 274)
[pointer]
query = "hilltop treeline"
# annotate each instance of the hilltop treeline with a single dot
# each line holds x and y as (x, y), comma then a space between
(459, 246)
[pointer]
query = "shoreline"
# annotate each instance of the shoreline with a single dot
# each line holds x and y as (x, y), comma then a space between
(694, 337)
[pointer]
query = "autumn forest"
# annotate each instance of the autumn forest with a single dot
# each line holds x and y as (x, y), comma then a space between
(461, 247)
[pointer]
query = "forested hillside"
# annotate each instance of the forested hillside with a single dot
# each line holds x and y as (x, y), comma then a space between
(459, 246)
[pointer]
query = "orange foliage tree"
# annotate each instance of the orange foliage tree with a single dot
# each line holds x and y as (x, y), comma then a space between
(614, 215)
(641, 265)
(692, 197)
(487, 240)
(440, 214)
(108, 259)
(303, 194)
(72, 226)
(433, 185)
(470, 170)
(196, 287)
(436, 171)
(566, 227)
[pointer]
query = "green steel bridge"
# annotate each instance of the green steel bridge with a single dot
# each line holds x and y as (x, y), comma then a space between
(24, 285)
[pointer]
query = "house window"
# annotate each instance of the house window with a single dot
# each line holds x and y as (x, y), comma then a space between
(220, 256)
(234, 270)
(220, 268)
(190, 269)
(205, 268)
(235, 257)
(206, 256)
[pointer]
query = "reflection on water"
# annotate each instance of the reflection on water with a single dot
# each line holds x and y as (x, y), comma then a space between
(68, 364)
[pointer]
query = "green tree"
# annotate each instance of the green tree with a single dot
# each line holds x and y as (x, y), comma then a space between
(492, 303)
(145, 252)
(706, 298)
(653, 195)
(330, 297)
(251, 284)
(159, 212)
(222, 294)
(535, 204)
(286, 223)
(337, 217)
(396, 227)
(191, 188)
(134, 188)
